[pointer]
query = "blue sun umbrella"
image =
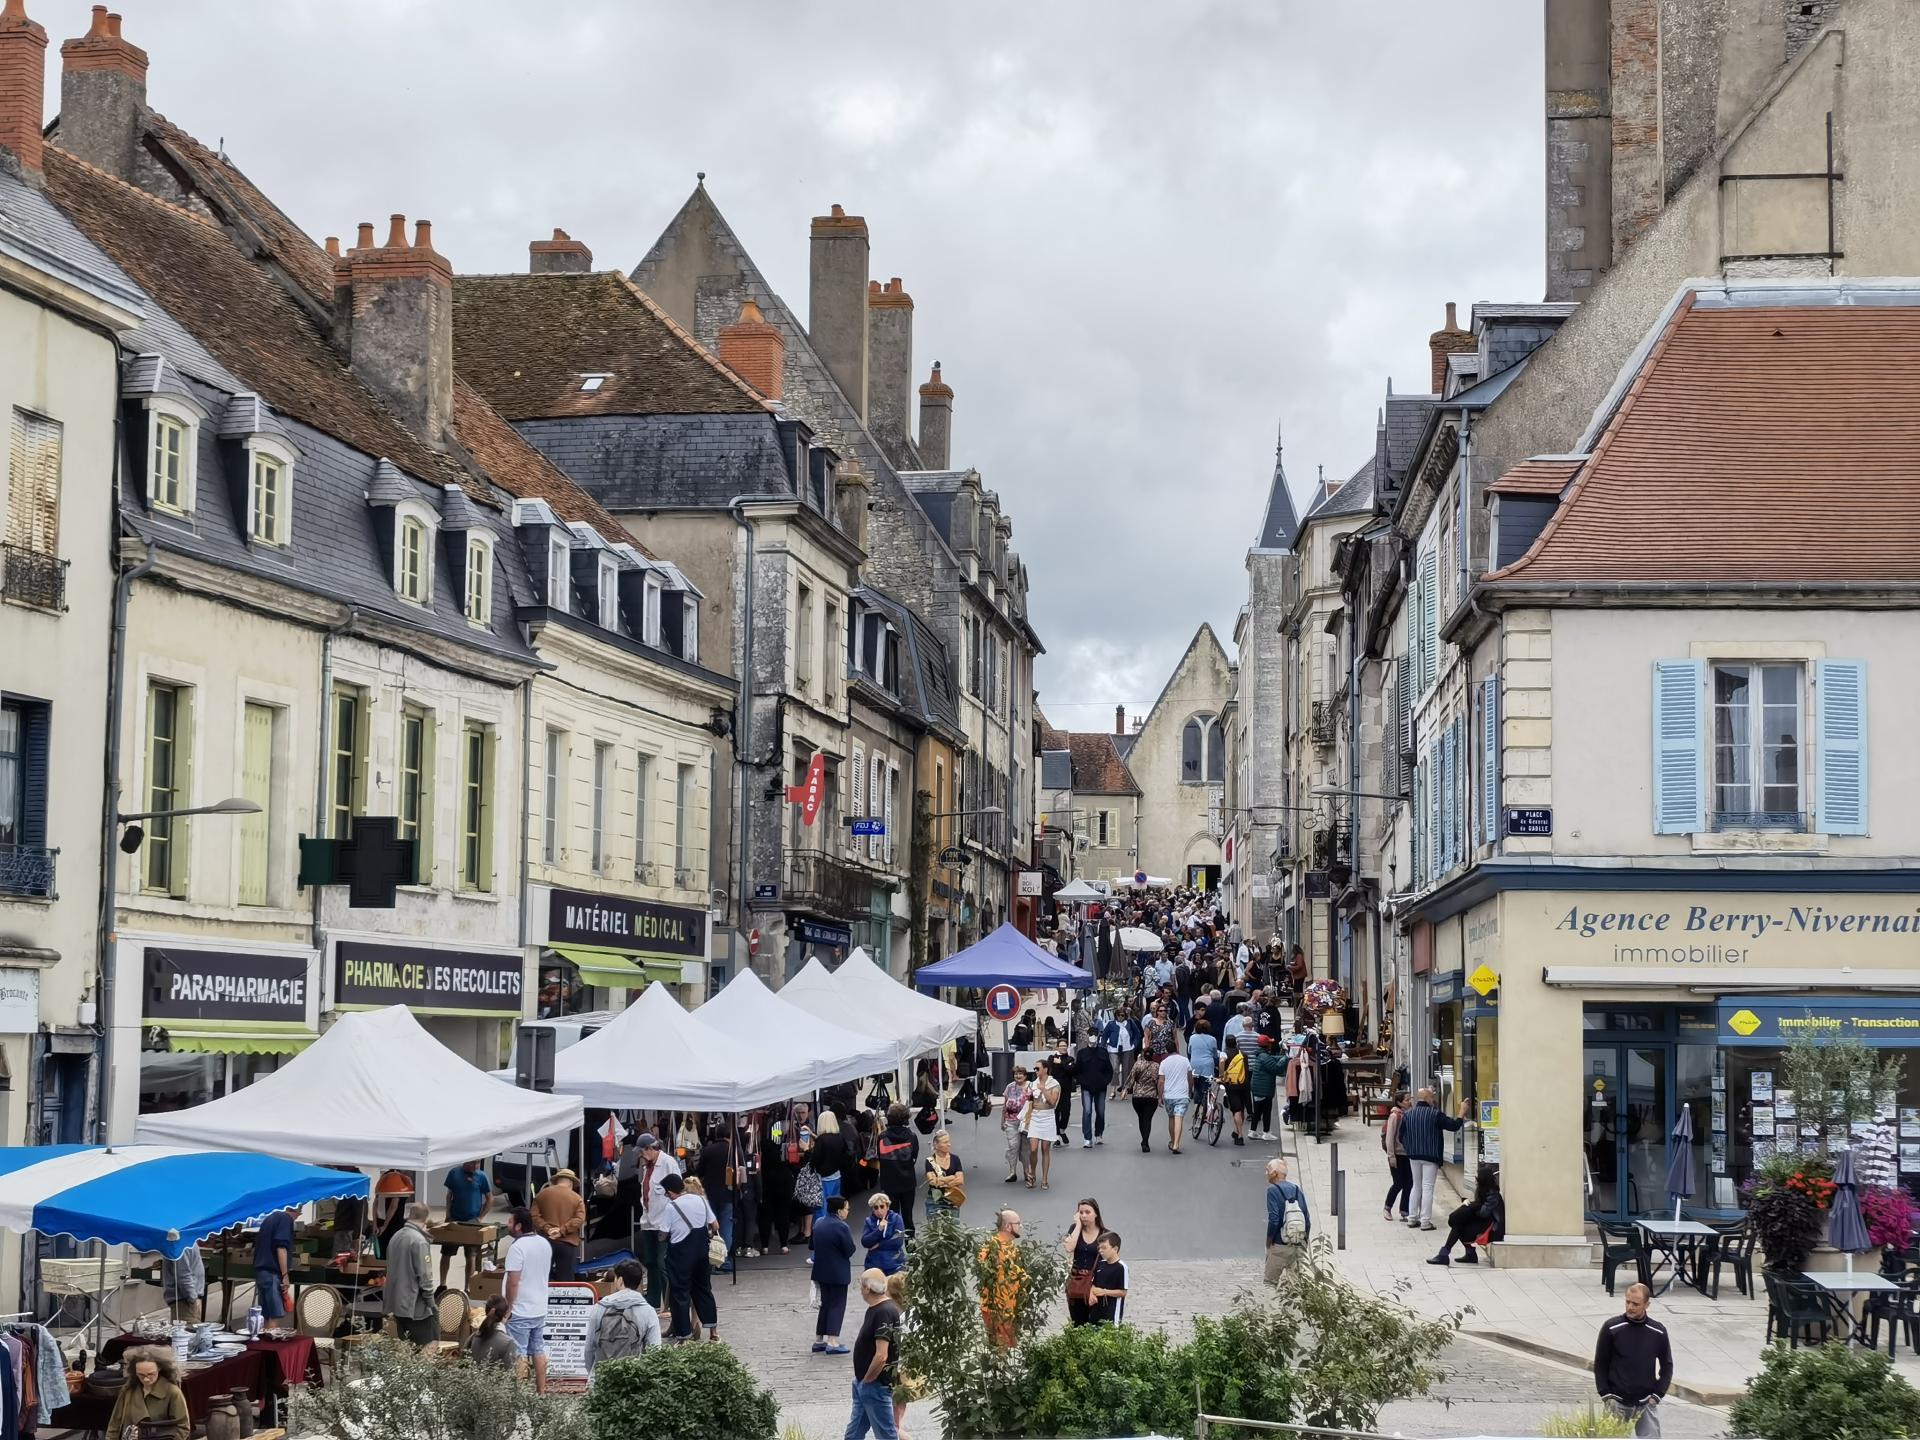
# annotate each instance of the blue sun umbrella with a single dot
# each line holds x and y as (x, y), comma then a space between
(1680, 1161)
(1846, 1227)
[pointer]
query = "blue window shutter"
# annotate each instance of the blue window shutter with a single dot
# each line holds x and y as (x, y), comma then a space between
(1679, 751)
(1840, 690)
(35, 737)
(1490, 760)
(1446, 800)
(1425, 620)
(1435, 864)
(1419, 824)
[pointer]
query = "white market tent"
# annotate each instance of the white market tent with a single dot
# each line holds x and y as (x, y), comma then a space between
(1082, 890)
(375, 1090)
(655, 1056)
(756, 1022)
(861, 996)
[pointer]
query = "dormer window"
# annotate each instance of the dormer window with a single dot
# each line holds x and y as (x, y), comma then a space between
(479, 595)
(410, 561)
(168, 483)
(590, 383)
(650, 610)
(609, 593)
(269, 493)
(690, 629)
(559, 574)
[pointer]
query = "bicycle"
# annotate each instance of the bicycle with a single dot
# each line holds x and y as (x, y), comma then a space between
(1213, 1113)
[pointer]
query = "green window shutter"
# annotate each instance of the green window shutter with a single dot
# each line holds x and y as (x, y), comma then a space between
(1679, 754)
(1425, 620)
(256, 778)
(182, 847)
(429, 750)
(487, 807)
(1841, 696)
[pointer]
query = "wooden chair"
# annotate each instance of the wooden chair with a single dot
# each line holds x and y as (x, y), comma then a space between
(456, 1315)
(318, 1313)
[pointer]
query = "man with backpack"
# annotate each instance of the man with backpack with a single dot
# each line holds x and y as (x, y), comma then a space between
(623, 1324)
(1286, 1238)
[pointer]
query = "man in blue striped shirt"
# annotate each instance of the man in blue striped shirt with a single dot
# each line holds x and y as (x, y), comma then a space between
(1420, 1134)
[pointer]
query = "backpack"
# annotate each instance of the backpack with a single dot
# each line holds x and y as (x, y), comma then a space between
(1236, 1071)
(619, 1335)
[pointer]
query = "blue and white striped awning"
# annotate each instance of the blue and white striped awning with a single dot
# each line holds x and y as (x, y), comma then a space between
(153, 1197)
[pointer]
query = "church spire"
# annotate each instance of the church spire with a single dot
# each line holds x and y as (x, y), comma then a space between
(1281, 522)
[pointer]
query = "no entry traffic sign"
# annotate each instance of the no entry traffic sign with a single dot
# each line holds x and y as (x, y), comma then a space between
(1003, 1002)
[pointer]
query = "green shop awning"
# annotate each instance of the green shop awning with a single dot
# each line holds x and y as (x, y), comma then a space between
(233, 1037)
(617, 969)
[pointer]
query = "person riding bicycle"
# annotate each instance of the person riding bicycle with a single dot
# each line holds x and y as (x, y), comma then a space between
(1203, 1053)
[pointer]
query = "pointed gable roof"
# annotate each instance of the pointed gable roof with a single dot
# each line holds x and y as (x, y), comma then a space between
(1281, 523)
(1203, 639)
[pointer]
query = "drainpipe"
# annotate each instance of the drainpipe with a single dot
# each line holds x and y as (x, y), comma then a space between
(110, 821)
(743, 718)
(526, 802)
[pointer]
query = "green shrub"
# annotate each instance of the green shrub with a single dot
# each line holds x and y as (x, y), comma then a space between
(385, 1390)
(1104, 1380)
(1827, 1392)
(679, 1392)
(1213, 1364)
(1591, 1422)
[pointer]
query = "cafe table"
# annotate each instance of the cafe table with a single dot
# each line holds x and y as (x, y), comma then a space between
(1847, 1285)
(1680, 1242)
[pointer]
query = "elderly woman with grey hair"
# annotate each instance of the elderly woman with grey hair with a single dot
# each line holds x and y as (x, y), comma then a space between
(151, 1395)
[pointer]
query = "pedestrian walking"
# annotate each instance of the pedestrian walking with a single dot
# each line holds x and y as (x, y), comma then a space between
(1233, 1080)
(1108, 1293)
(1081, 1246)
(717, 1176)
(946, 1178)
(655, 1166)
(885, 1235)
(899, 1153)
(529, 1270)
(1143, 1088)
(1130, 1038)
(1013, 1123)
(469, 1192)
(1060, 1067)
(1264, 1069)
(875, 1362)
(1398, 1166)
(1633, 1363)
(1420, 1131)
(623, 1324)
(1286, 1241)
(689, 1271)
(562, 1213)
(1176, 1089)
(1093, 1073)
(1043, 1127)
(408, 1293)
(1483, 1219)
(832, 1247)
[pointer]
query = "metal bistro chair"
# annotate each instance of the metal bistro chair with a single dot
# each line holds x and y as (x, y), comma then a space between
(1796, 1307)
(1734, 1246)
(1620, 1243)
(1899, 1308)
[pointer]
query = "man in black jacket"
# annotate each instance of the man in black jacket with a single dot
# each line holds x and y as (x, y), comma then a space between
(899, 1155)
(1093, 1073)
(1633, 1363)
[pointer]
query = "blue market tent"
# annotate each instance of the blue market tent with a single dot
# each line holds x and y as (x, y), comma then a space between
(1006, 957)
(153, 1197)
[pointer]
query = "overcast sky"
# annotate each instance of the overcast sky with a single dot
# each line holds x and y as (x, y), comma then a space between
(1139, 234)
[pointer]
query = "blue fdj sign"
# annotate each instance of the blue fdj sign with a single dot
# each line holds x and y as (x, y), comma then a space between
(1883, 1022)
(869, 827)
(1444, 989)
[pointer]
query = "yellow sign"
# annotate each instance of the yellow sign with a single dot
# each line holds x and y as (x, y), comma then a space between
(1484, 979)
(1743, 1022)
(1598, 1083)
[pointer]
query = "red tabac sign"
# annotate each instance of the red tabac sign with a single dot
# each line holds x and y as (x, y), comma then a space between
(807, 795)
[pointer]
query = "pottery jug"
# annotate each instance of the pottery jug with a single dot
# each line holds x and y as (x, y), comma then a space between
(243, 1408)
(223, 1420)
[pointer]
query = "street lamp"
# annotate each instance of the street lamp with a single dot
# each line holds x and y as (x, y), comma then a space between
(135, 836)
(1329, 792)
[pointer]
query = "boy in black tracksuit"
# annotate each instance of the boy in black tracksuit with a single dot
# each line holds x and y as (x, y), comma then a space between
(1633, 1363)
(899, 1163)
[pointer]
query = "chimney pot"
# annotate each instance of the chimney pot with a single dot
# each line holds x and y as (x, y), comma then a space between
(1452, 323)
(423, 235)
(561, 255)
(113, 25)
(838, 213)
(99, 22)
(396, 232)
(365, 241)
(333, 246)
(755, 351)
(560, 234)
(1119, 719)
(1451, 340)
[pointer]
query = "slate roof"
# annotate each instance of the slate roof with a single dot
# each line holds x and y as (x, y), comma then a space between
(1097, 766)
(1125, 743)
(1354, 497)
(1542, 475)
(644, 462)
(1056, 769)
(1406, 418)
(526, 341)
(1766, 438)
(927, 674)
(1281, 522)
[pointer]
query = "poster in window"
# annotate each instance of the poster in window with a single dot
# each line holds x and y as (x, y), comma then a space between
(1763, 1085)
(1910, 1157)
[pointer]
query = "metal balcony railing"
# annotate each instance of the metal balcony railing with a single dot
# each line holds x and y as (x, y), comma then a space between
(828, 883)
(28, 577)
(27, 870)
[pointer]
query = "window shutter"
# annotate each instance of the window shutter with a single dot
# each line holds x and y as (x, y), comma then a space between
(1490, 760)
(1840, 691)
(877, 803)
(893, 784)
(1679, 756)
(35, 739)
(1418, 818)
(1435, 776)
(859, 789)
(488, 740)
(1449, 808)
(1403, 687)
(257, 779)
(181, 850)
(1429, 605)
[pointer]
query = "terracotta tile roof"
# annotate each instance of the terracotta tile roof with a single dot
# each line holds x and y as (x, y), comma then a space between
(1097, 766)
(520, 470)
(1536, 477)
(1758, 443)
(526, 341)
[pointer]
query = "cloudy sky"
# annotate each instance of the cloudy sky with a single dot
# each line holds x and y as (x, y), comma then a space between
(1140, 234)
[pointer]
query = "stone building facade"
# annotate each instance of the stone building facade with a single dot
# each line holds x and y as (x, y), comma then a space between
(1179, 760)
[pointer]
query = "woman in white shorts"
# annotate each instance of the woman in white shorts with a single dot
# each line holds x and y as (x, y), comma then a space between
(1043, 1123)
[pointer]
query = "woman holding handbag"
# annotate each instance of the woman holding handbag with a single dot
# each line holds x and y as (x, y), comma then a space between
(1081, 1246)
(1043, 1123)
(1013, 1123)
(946, 1178)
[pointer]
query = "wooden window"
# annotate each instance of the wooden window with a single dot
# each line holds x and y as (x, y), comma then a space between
(346, 785)
(479, 595)
(411, 562)
(167, 480)
(169, 760)
(476, 808)
(267, 508)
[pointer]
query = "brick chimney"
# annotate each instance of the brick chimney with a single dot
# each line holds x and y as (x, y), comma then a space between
(936, 421)
(890, 364)
(837, 300)
(562, 255)
(1119, 719)
(1448, 340)
(393, 305)
(103, 96)
(23, 85)
(755, 351)
(851, 490)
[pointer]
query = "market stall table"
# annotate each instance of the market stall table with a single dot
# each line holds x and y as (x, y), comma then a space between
(261, 1370)
(1679, 1241)
(1848, 1284)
